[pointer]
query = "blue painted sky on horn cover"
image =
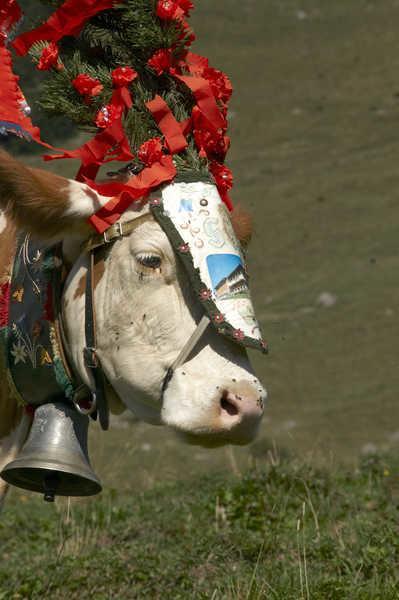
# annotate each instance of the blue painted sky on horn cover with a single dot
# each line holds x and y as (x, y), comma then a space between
(221, 266)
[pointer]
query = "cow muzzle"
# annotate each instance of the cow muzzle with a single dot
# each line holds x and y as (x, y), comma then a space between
(233, 415)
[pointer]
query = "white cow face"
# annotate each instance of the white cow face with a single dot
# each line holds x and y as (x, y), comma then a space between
(146, 310)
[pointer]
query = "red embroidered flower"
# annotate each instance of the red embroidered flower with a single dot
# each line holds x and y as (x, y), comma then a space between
(222, 175)
(87, 86)
(155, 202)
(49, 58)
(161, 61)
(264, 345)
(123, 76)
(205, 294)
(218, 318)
(4, 303)
(107, 115)
(168, 9)
(150, 152)
(239, 335)
(184, 248)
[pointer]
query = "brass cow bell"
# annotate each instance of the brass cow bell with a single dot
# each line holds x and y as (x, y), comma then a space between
(54, 459)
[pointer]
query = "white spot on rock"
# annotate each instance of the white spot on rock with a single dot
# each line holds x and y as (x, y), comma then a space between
(394, 437)
(301, 15)
(369, 448)
(327, 299)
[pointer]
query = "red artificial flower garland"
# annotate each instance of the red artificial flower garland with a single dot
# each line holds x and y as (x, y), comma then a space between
(210, 87)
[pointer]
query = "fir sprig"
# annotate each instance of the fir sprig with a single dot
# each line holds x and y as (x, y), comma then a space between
(127, 35)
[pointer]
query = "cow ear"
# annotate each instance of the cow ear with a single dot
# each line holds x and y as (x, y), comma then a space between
(45, 204)
(242, 225)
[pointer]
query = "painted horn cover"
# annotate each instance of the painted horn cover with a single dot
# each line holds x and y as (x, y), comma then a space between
(199, 228)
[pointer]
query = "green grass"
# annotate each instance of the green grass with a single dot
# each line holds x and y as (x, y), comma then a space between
(285, 530)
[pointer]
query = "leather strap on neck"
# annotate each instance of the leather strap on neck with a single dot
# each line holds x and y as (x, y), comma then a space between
(91, 359)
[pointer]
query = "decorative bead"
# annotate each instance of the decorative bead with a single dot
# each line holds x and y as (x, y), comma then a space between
(204, 202)
(205, 294)
(219, 318)
(239, 334)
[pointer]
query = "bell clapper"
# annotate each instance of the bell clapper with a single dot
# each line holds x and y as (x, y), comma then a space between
(51, 482)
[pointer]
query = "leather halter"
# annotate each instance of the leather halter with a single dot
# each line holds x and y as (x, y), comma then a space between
(92, 362)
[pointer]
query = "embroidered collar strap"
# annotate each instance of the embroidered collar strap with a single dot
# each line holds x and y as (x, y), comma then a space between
(34, 352)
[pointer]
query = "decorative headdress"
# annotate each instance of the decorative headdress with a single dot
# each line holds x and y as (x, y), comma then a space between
(123, 70)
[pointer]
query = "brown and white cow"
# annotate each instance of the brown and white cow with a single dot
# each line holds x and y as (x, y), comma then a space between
(144, 316)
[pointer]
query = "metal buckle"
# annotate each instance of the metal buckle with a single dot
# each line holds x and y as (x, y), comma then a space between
(90, 358)
(118, 233)
(81, 394)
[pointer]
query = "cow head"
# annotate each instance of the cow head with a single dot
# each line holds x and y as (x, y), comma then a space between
(146, 310)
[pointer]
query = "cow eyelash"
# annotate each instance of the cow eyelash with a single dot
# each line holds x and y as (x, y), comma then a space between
(150, 261)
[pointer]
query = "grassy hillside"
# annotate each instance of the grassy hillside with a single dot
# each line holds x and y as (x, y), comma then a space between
(284, 531)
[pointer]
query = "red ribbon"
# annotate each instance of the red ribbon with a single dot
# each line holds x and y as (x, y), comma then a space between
(108, 145)
(124, 194)
(10, 14)
(69, 19)
(206, 101)
(167, 123)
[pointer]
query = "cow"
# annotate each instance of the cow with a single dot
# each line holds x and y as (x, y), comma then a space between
(145, 312)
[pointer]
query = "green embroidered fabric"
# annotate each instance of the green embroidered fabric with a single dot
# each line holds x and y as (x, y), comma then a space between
(29, 342)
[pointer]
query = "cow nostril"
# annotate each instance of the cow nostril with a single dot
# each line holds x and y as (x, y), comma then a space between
(227, 406)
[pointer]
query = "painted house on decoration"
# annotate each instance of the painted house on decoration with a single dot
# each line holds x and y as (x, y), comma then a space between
(232, 285)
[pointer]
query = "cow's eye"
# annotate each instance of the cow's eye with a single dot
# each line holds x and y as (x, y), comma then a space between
(150, 261)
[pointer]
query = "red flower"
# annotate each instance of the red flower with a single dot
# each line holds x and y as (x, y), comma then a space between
(220, 84)
(161, 61)
(167, 9)
(184, 248)
(187, 35)
(123, 76)
(222, 175)
(150, 152)
(185, 5)
(197, 63)
(211, 142)
(107, 115)
(87, 86)
(49, 58)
